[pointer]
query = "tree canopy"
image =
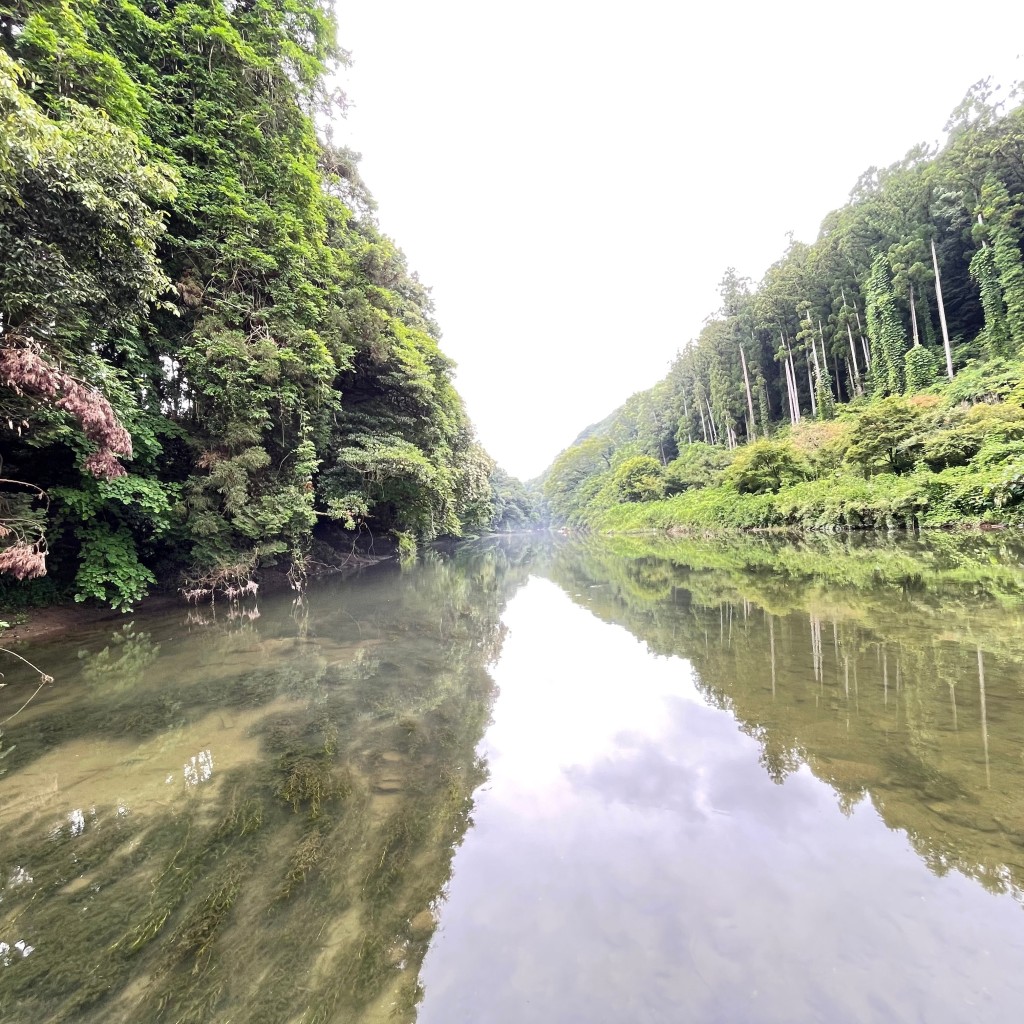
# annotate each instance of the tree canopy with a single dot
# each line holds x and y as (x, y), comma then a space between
(919, 276)
(209, 352)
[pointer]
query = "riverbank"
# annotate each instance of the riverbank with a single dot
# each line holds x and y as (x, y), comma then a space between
(46, 623)
(951, 498)
(28, 625)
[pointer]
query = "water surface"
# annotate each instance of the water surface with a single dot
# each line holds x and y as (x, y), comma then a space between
(576, 781)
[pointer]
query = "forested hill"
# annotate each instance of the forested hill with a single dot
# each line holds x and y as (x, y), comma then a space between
(874, 377)
(209, 353)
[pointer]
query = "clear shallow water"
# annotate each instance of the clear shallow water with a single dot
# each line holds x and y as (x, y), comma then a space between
(597, 781)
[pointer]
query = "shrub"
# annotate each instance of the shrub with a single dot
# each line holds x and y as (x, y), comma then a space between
(1004, 420)
(954, 447)
(886, 437)
(765, 467)
(640, 478)
(980, 382)
(698, 465)
(822, 444)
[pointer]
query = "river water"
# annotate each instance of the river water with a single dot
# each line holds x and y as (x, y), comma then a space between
(534, 779)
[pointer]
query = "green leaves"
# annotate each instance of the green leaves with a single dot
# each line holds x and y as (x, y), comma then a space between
(291, 371)
(639, 478)
(920, 369)
(886, 331)
(886, 437)
(765, 467)
(110, 570)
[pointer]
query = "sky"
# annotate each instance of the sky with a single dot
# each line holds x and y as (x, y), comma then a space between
(572, 179)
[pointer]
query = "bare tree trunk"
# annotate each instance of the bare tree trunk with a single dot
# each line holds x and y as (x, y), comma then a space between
(750, 400)
(790, 391)
(686, 414)
(789, 383)
(703, 423)
(856, 369)
(942, 314)
(792, 373)
(824, 357)
(860, 326)
(860, 332)
(856, 312)
(817, 373)
(984, 714)
(913, 317)
(711, 422)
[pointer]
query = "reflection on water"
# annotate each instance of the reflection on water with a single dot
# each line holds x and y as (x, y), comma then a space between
(244, 817)
(653, 781)
(891, 670)
(754, 802)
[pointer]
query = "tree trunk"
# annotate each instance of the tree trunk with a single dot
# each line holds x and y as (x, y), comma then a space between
(856, 370)
(860, 333)
(942, 314)
(913, 317)
(824, 357)
(817, 365)
(792, 373)
(711, 421)
(789, 385)
(750, 400)
(789, 391)
(984, 715)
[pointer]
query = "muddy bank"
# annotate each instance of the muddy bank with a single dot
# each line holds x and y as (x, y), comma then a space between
(42, 623)
(32, 624)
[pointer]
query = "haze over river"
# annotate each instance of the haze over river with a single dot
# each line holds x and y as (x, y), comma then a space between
(534, 779)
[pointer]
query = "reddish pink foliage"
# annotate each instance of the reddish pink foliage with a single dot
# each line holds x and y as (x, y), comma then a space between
(26, 372)
(23, 561)
(103, 464)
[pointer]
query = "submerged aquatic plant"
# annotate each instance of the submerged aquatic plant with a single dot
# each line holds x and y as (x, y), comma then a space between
(310, 782)
(335, 833)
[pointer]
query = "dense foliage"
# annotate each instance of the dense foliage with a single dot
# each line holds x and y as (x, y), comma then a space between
(208, 350)
(873, 377)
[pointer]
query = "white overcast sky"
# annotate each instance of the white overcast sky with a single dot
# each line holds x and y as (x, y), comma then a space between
(571, 179)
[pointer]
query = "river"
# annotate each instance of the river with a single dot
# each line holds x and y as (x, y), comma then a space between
(534, 779)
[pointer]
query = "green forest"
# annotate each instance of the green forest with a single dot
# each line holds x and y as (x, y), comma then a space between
(211, 359)
(873, 379)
